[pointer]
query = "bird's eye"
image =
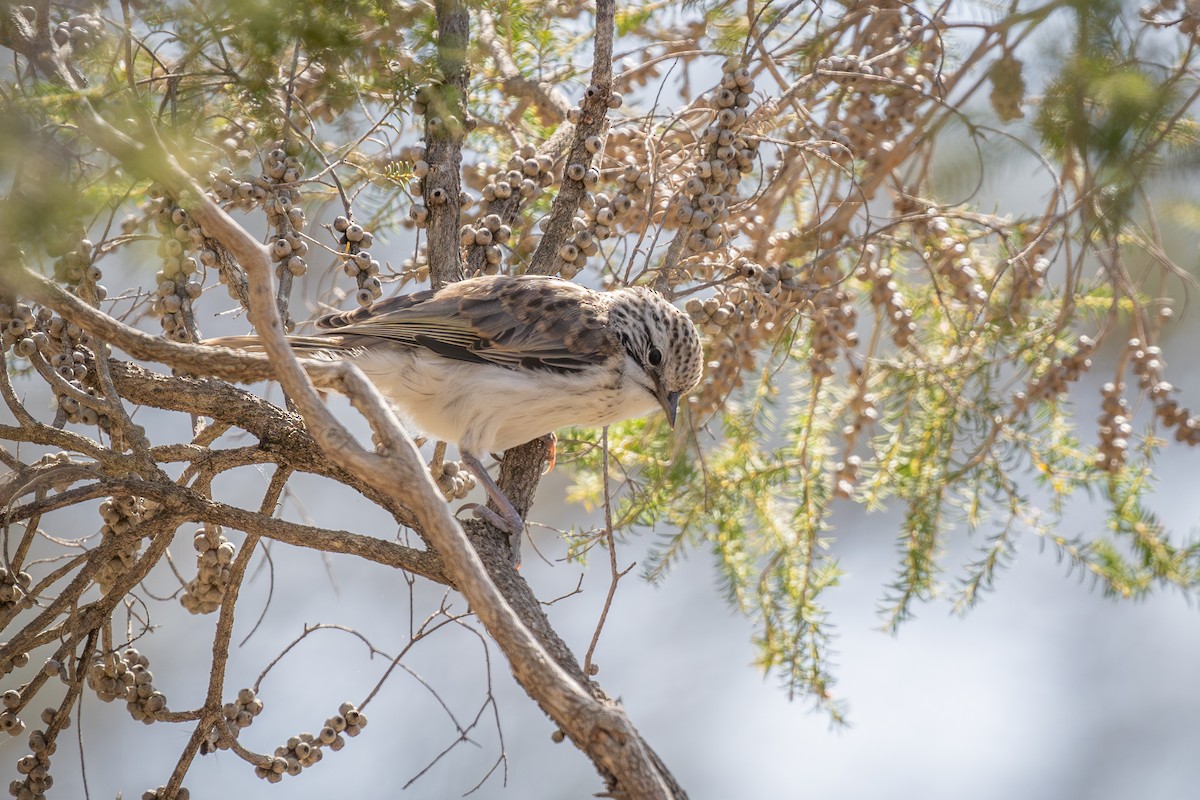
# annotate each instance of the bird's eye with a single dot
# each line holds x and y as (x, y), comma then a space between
(654, 357)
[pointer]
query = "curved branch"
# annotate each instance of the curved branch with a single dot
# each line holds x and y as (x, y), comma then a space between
(280, 433)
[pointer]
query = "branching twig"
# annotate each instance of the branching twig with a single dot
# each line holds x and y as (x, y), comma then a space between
(614, 573)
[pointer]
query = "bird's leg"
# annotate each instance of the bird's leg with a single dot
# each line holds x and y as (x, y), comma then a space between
(551, 441)
(508, 520)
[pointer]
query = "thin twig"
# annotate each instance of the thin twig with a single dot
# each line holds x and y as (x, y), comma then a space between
(615, 574)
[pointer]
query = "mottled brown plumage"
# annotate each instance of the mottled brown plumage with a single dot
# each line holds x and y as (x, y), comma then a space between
(519, 323)
(490, 363)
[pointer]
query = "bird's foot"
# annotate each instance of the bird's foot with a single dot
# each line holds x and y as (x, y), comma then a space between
(507, 519)
(494, 518)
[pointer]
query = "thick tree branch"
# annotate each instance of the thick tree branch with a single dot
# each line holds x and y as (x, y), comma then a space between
(280, 433)
(221, 362)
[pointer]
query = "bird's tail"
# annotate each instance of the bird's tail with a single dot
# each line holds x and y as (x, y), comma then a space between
(305, 346)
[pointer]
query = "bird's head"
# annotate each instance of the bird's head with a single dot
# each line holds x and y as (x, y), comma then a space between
(663, 342)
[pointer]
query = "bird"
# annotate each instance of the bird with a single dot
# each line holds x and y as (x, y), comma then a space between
(492, 362)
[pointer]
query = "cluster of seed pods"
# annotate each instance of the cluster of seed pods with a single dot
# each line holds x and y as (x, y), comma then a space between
(128, 677)
(238, 714)
(701, 206)
(121, 514)
(35, 768)
(358, 263)
(178, 281)
(305, 749)
(214, 557)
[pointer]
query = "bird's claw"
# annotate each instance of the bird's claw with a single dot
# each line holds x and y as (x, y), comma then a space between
(493, 518)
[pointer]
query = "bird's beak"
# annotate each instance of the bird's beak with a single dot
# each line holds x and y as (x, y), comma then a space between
(669, 402)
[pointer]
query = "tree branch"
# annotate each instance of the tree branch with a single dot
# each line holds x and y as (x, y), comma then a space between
(592, 122)
(445, 129)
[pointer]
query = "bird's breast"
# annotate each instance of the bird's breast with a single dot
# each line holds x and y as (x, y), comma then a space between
(486, 408)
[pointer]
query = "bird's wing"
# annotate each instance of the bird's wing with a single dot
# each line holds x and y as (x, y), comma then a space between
(515, 322)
